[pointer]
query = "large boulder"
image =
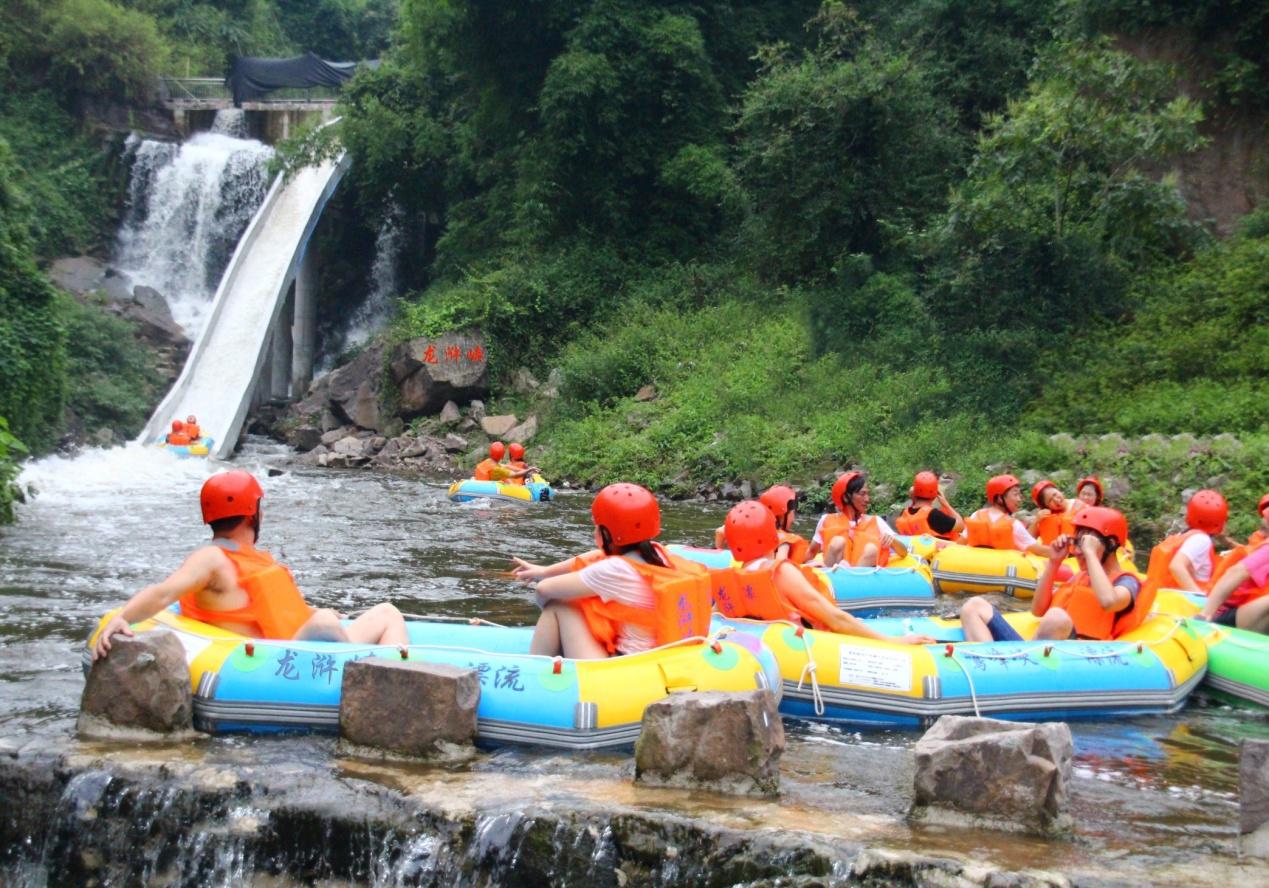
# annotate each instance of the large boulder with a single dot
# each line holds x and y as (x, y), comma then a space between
(353, 390)
(143, 684)
(149, 310)
(77, 274)
(524, 431)
(498, 426)
(728, 742)
(429, 371)
(410, 708)
(994, 774)
(1253, 791)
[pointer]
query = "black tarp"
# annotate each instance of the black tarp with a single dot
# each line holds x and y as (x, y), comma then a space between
(252, 79)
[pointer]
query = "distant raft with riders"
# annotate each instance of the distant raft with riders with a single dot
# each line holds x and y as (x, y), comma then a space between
(514, 481)
(186, 439)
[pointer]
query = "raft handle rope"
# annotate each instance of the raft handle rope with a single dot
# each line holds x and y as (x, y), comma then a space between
(808, 671)
(442, 618)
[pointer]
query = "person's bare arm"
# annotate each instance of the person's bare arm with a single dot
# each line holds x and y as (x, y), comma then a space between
(1225, 586)
(810, 603)
(565, 587)
(1183, 572)
(527, 571)
(192, 576)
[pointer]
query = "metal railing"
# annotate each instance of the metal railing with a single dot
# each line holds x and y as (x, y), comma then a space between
(207, 90)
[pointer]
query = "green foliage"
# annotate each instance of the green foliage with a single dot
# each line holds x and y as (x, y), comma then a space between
(99, 49)
(11, 450)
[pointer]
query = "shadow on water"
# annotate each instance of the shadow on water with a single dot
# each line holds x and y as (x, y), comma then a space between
(1155, 793)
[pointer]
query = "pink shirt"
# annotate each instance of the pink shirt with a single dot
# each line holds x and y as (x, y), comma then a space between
(1257, 564)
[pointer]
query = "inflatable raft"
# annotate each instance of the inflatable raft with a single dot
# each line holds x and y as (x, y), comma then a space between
(860, 590)
(958, 569)
(260, 686)
(1237, 660)
(534, 491)
(841, 678)
(200, 448)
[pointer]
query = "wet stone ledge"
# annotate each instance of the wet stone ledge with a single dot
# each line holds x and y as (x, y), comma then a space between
(78, 819)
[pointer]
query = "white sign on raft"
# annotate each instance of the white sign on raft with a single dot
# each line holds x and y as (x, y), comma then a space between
(868, 667)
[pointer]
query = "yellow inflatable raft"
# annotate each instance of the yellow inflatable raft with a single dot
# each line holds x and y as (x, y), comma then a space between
(968, 570)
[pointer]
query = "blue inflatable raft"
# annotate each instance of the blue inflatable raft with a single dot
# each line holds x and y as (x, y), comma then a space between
(469, 489)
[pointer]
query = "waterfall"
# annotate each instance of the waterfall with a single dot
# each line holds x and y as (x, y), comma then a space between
(372, 314)
(187, 206)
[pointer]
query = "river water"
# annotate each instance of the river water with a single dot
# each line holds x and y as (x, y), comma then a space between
(1154, 799)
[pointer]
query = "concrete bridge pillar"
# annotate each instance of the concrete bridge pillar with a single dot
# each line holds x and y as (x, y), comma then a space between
(304, 329)
(281, 360)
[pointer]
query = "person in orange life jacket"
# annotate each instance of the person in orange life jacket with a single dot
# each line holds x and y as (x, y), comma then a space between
(1241, 550)
(1261, 534)
(1089, 491)
(238, 587)
(618, 572)
(753, 537)
(177, 435)
(491, 468)
(1195, 555)
(1053, 512)
(995, 527)
(852, 535)
(517, 469)
(1240, 597)
(929, 512)
(1090, 605)
(782, 501)
(192, 429)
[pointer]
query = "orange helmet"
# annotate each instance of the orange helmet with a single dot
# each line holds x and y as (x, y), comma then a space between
(839, 489)
(1097, 485)
(1038, 489)
(1264, 502)
(1108, 522)
(178, 426)
(497, 450)
(780, 500)
(627, 513)
(230, 495)
(1207, 511)
(750, 529)
(516, 450)
(925, 485)
(999, 485)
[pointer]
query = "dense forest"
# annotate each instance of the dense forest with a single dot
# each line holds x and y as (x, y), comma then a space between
(947, 233)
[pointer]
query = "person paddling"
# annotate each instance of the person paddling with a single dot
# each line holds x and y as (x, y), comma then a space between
(234, 585)
(518, 471)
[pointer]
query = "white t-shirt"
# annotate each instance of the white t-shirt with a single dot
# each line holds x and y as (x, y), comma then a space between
(882, 526)
(1198, 548)
(613, 579)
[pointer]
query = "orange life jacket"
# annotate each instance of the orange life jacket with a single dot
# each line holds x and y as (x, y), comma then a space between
(275, 606)
(517, 465)
(866, 530)
(915, 522)
(1091, 620)
(680, 594)
(1159, 570)
(193, 431)
(1239, 596)
(1053, 526)
(755, 595)
(987, 532)
(178, 438)
(1257, 538)
(798, 546)
(489, 470)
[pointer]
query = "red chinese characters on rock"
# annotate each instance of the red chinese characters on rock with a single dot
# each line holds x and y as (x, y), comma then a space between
(475, 354)
(453, 354)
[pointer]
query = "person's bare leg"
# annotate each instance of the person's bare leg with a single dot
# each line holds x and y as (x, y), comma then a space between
(324, 625)
(575, 636)
(1055, 625)
(869, 556)
(546, 634)
(382, 624)
(833, 553)
(1254, 615)
(975, 615)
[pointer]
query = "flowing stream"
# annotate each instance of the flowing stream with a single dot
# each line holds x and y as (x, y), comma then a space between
(1154, 798)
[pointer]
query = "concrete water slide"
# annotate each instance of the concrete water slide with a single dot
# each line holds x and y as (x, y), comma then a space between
(223, 369)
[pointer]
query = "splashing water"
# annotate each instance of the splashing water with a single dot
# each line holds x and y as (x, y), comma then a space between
(188, 206)
(372, 314)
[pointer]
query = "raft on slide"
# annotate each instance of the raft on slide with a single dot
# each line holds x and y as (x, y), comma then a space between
(262, 686)
(1237, 659)
(965, 569)
(536, 490)
(886, 684)
(201, 447)
(904, 583)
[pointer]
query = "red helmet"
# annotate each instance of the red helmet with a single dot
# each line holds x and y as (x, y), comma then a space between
(1207, 511)
(780, 500)
(1097, 485)
(178, 426)
(925, 485)
(750, 529)
(839, 489)
(516, 451)
(1038, 489)
(999, 485)
(628, 512)
(230, 495)
(1264, 501)
(497, 450)
(1108, 522)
